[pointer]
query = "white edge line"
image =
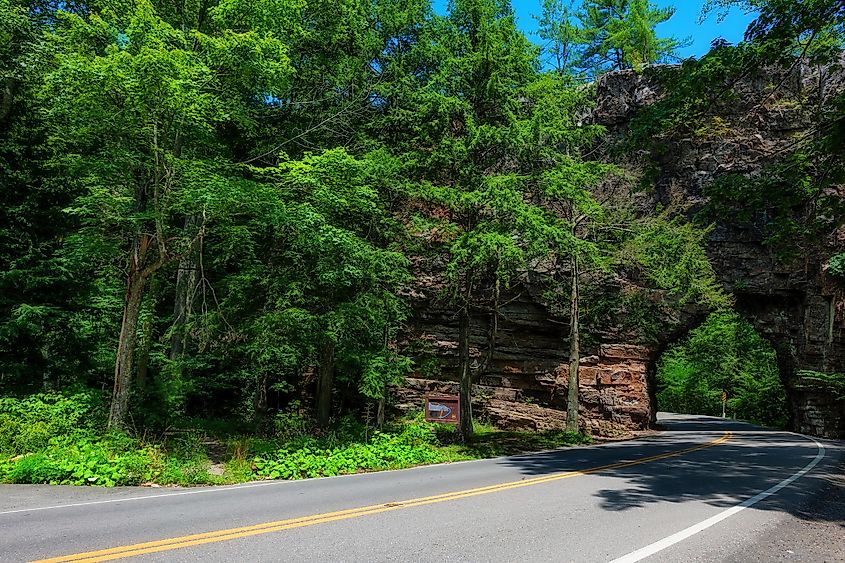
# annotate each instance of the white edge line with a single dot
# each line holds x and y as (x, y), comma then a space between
(144, 497)
(267, 483)
(677, 537)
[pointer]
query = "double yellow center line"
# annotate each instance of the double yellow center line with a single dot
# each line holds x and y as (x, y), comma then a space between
(279, 525)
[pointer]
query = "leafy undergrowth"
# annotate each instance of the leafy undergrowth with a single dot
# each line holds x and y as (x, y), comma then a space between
(82, 458)
(415, 444)
(61, 439)
(406, 444)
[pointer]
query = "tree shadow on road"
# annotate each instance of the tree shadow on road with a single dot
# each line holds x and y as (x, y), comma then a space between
(723, 475)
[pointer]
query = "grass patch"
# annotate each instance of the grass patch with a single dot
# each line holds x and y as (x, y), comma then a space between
(496, 444)
(489, 442)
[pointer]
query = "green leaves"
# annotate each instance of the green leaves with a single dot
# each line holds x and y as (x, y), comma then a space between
(832, 383)
(620, 34)
(16, 35)
(414, 445)
(836, 265)
(27, 425)
(308, 262)
(381, 371)
(501, 232)
(605, 35)
(673, 255)
(572, 181)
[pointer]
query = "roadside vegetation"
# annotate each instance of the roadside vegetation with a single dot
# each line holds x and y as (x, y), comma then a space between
(62, 439)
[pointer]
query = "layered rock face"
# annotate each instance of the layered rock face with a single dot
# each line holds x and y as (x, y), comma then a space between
(791, 302)
(522, 383)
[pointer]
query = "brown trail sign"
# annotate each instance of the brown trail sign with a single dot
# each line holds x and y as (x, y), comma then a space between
(445, 409)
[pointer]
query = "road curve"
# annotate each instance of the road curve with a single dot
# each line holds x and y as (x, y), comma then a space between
(703, 490)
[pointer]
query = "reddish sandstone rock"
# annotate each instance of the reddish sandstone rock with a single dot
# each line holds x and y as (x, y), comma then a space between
(625, 351)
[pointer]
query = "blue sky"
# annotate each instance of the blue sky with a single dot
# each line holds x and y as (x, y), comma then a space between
(683, 24)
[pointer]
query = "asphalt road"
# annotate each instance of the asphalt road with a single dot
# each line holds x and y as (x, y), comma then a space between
(703, 490)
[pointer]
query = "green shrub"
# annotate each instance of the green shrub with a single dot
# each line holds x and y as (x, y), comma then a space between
(305, 458)
(85, 459)
(290, 423)
(27, 425)
(33, 468)
(836, 265)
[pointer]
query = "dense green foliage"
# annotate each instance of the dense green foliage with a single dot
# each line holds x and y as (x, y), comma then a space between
(414, 445)
(219, 210)
(724, 354)
(61, 439)
(604, 35)
(233, 268)
(28, 425)
(833, 383)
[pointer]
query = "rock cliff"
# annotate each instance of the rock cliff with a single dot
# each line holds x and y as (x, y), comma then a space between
(793, 303)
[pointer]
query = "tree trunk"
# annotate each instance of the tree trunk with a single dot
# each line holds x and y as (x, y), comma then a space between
(465, 429)
(574, 353)
(46, 384)
(186, 282)
(126, 348)
(147, 335)
(494, 329)
(325, 382)
(380, 413)
(259, 401)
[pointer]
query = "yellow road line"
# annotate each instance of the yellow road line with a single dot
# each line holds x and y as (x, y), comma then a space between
(279, 525)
